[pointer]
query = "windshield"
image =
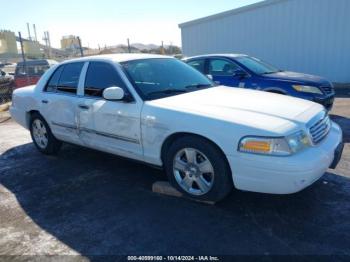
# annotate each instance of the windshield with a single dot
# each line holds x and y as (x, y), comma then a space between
(257, 66)
(161, 77)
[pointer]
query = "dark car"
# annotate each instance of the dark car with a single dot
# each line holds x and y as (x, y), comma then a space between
(238, 70)
(6, 85)
(29, 73)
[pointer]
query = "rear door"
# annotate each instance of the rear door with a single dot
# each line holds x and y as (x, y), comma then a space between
(111, 126)
(59, 101)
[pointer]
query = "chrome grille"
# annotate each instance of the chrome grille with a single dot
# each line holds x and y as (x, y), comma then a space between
(320, 129)
(327, 89)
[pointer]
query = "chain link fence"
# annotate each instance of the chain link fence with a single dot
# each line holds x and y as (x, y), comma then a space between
(6, 87)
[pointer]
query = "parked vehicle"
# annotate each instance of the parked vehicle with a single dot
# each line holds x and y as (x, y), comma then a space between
(248, 72)
(29, 73)
(6, 86)
(9, 68)
(159, 110)
(5, 76)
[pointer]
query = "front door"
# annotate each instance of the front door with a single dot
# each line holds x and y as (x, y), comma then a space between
(223, 70)
(111, 126)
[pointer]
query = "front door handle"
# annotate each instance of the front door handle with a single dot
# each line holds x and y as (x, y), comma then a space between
(82, 106)
(44, 101)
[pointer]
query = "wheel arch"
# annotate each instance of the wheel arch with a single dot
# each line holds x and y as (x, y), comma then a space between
(29, 116)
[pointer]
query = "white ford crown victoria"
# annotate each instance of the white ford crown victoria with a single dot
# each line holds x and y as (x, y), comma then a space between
(159, 110)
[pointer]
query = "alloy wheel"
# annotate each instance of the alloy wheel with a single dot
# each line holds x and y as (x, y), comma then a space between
(40, 133)
(193, 171)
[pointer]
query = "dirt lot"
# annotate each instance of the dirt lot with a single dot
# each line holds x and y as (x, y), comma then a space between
(89, 203)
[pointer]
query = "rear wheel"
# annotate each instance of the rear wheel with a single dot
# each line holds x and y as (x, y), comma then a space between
(42, 136)
(198, 168)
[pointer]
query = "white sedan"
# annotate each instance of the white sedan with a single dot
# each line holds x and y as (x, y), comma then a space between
(159, 110)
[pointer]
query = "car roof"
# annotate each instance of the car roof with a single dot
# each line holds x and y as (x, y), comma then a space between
(38, 62)
(215, 55)
(117, 57)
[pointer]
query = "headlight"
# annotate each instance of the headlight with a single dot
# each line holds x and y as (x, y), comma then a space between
(307, 89)
(279, 146)
(298, 141)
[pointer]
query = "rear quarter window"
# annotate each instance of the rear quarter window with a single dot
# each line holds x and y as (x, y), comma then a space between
(53, 82)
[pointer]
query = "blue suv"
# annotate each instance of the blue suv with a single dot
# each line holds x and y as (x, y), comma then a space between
(238, 70)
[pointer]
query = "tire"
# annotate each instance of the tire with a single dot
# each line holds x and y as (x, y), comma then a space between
(42, 136)
(196, 178)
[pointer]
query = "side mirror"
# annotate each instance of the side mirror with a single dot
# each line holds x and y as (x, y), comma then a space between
(240, 74)
(113, 93)
(210, 77)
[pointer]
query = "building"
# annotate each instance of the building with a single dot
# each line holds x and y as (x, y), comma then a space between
(32, 49)
(310, 36)
(70, 42)
(8, 44)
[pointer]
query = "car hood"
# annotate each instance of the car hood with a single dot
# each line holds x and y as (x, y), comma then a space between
(298, 77)
(257, 109)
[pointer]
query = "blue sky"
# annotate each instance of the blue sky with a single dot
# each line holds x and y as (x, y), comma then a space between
(110, 22)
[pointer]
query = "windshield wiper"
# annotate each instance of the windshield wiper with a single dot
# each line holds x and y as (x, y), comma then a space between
(272, 72)
(198, 86)
(168, 91)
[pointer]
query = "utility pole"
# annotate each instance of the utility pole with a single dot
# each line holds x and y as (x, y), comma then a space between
(162, 49)
(49, 42)
(80, 47)
(129, 49)
(23, 56)
(46, 44)
(171, 48)
(21, 43)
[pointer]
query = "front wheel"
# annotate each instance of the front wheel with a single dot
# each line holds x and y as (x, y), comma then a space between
(196, 167)
(42, 136)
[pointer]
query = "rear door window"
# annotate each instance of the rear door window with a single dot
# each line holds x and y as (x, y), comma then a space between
(69, 79)
(53, 82)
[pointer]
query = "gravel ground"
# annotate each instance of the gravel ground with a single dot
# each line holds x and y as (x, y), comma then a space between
(86, 203)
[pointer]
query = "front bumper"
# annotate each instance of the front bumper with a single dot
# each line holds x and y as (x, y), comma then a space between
(337, 155)
(286, 175)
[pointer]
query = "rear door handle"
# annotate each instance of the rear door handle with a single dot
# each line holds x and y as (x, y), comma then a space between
(44, 101)
(82, 106)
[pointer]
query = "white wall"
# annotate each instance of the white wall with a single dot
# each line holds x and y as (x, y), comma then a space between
(310, 36)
